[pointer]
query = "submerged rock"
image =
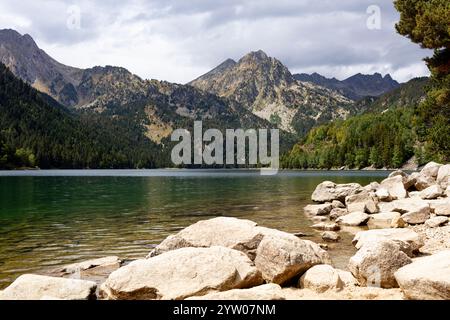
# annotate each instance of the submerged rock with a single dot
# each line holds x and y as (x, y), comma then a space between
(37, 287)
(326, 226)
(330, 236)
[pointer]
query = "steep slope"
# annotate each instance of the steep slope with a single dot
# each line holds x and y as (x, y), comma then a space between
(356, 87)
(36, 130)
(265, 86)
(385, 135)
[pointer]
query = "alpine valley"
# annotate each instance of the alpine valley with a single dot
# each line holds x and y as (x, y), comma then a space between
(57, 116)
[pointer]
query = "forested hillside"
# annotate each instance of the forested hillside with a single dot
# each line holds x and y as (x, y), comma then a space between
(386, 135)
(36, 131)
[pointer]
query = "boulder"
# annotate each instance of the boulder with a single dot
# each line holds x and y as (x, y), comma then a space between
(337, 212)
(336, 204)
(330, 236)
(410, 181)
(383, 219)
(353, 219)
(426, 278)
(376, 262)
(423, 182)
(398, 222)
(36, 287)
(441, 208)
(432, 192)
(182, 273)
(264, 292)
(242, 235)
(414, 194)
(362, 200)
(326, 226)
(281, 258)
(431, 169)
(328, 191)
(395, 187)
(418, 216)
(111, 261)
(436, 221)
(383, 195)
(373, 186)
(318, 209)
(321, 278)
(443, 176)
(407, 236)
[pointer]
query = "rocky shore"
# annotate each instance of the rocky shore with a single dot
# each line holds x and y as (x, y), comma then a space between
(402, 239)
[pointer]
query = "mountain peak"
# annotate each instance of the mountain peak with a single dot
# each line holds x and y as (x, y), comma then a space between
(256, 55)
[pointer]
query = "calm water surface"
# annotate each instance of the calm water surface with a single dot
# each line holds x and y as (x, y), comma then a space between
(52, 218)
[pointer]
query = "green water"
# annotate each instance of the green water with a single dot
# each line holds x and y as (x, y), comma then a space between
(52, 218)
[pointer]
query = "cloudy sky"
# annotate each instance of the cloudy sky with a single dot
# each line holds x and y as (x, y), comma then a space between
(178, 40)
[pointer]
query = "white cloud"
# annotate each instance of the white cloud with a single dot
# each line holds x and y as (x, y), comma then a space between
(177, 40)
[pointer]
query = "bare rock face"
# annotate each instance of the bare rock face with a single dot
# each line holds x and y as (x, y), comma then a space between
(321, 278)
(36, 287)
(432, 192)
(329, 191)
(395, 187)
(182, 273)
(265, 292)
(443, 176)
(282, 258)
(232, 233)
(353, 219)
(362, 200)
(408, 237)
(318, 209)
(427, 278)
(376, 262)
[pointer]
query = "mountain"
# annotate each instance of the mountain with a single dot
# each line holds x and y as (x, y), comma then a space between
(35, 130)
(387, 134)
(356, 87)
(264, 86)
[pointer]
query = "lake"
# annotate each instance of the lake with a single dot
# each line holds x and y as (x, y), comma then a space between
(55, 217)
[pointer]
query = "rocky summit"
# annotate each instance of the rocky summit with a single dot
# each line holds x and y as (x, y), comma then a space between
(265, 86)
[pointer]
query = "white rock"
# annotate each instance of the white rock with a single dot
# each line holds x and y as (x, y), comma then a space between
(337, 204)
(353, 219)
(89, 264)
(326, 226)
(426, 278)
(431, 169)
(423, 182)
(432, 192)
(407, 236)
(361, 200)
(337, 212)
(441, 208)
(395, 187)
(418, 216)
(281, 258)
(321, 278)
(264, 292)
(383, 219)
(375, 263)
(328, 191)
(242, 235)
(330, 236)
(383, 194)
(436, 221)
(318, 209)
(36, 287)
(443, 176)
(182, 273)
